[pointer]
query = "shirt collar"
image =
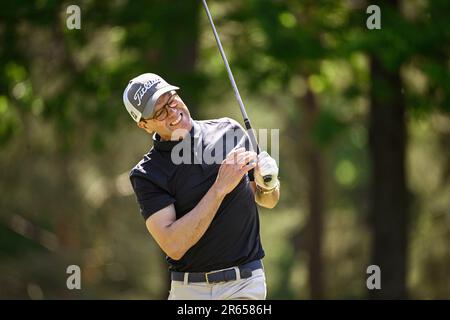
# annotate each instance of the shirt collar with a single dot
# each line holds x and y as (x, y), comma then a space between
(194, 134)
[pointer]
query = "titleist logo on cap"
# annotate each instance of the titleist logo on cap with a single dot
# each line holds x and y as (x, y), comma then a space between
(143, 89)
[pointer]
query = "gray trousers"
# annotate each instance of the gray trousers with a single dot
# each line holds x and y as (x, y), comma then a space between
(253, 288)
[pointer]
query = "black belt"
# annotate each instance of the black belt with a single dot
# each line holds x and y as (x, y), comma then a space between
(245, 271)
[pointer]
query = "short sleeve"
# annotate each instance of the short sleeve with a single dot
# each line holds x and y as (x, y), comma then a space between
(150, 197)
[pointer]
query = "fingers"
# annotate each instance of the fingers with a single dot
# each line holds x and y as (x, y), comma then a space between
(242, 160)
(248, 167)
(266, 165)
(245, 157)
(247, 161)
(269, 170)
(240, 156)
(264, 158)
(232, 156)
(262, 155)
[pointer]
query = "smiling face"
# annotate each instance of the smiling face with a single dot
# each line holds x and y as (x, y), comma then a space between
(170, 115)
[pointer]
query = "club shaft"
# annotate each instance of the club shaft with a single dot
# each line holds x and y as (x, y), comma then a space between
(233, 83)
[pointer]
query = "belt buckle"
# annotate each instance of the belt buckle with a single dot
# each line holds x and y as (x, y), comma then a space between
(212, 272)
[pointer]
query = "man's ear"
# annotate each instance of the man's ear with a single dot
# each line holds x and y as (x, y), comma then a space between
(141, 124)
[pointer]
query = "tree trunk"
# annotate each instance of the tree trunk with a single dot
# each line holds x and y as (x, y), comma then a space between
(389, 204)
(314, 167)
(179, 56)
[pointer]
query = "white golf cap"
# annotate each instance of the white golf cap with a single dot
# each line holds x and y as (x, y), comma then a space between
(142, 93)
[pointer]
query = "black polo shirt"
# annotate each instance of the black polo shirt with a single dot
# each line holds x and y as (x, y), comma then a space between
(160, 179)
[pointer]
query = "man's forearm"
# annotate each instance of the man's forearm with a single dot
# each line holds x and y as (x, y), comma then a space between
(187, 231)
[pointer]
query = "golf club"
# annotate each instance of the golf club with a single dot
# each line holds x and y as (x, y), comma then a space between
(247, 123)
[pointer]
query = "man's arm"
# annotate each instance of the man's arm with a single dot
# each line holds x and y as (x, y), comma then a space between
(176, 237)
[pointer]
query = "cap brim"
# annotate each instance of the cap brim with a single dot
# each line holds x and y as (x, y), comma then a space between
(150, 107)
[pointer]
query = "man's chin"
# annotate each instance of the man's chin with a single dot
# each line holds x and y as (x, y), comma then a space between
(179, 133)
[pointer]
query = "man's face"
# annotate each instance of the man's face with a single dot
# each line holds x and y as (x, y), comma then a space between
(170, 114)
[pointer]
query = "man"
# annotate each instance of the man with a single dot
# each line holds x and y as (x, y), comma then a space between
(202, 213)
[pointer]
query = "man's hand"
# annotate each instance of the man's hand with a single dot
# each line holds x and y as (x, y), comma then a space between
(237, 163)
(266, 166)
